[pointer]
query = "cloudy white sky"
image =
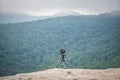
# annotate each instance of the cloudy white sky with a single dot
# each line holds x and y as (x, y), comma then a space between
(51, 7)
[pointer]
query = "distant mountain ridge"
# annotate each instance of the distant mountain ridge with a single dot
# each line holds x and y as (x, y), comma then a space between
(18, 18)
(15, 18)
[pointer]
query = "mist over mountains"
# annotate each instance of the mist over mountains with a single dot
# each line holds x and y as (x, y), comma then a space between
(22, 17)
(90, 41)
(15, 18)
(18, 18)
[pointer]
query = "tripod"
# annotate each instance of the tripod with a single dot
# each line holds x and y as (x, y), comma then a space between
(62, 62)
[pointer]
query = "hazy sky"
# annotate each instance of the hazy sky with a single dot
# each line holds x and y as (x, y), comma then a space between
(51, 7)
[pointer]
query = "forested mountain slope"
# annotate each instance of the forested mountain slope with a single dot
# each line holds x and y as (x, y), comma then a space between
(89, 41)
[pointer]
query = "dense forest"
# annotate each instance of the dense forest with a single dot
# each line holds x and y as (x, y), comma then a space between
(90, 42)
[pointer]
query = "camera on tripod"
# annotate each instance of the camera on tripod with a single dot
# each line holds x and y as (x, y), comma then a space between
(62, 62)
(62, 51)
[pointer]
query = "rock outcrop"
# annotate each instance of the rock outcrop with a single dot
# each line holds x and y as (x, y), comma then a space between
(68, 74)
